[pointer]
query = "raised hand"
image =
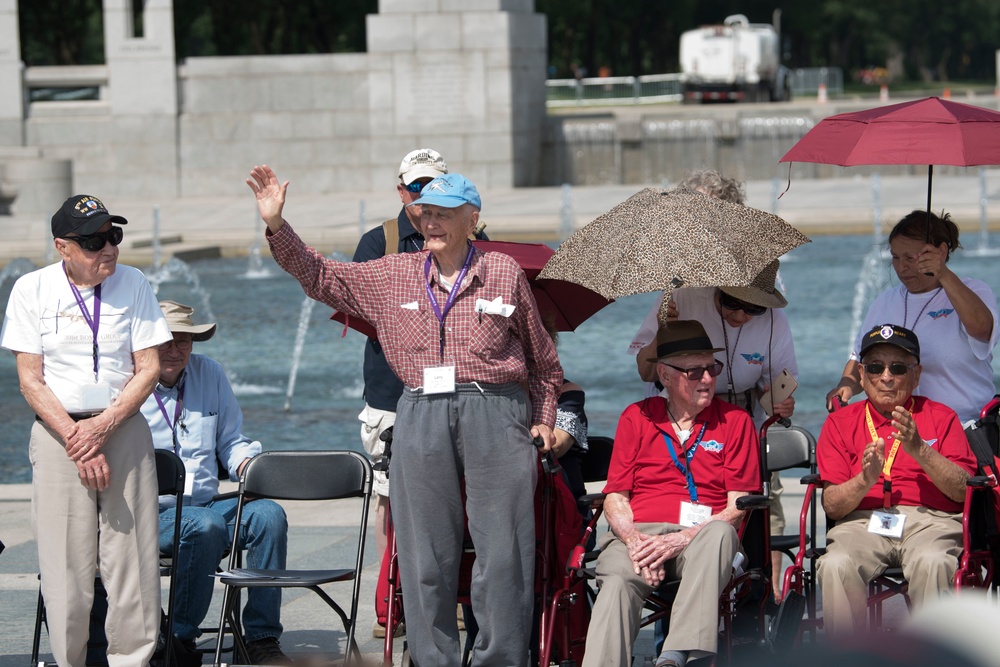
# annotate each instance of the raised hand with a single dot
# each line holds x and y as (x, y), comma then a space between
(270, 195)
(872, 461)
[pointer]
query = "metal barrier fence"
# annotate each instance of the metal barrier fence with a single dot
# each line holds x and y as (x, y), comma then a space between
(805, 81)
(656, 88)
(613, 90)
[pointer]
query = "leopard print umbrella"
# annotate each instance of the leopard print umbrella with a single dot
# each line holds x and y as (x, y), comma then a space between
(660, 240)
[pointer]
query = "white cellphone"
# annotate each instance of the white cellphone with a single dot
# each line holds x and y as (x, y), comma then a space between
(780, 390)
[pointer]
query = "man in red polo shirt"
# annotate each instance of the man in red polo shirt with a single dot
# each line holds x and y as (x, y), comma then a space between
(680, 461)
(894, 469)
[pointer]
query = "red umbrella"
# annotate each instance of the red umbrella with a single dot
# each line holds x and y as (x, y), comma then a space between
(567, 303)
(928, 131)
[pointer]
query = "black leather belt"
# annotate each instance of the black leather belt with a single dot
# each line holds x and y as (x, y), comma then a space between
(75, 416)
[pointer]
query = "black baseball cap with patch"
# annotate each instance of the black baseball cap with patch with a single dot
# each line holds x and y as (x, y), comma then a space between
(82, 215)
(891, 334)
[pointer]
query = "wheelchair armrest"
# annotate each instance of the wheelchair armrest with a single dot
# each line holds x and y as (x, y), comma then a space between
(981, 482)
(591, 500)
(811, 479)
(752, 502)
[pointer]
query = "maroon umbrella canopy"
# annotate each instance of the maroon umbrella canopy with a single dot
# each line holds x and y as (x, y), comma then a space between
(568, 304)
(928, 131)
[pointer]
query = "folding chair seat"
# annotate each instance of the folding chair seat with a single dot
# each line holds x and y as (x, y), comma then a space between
(305, 476)
(170, 475)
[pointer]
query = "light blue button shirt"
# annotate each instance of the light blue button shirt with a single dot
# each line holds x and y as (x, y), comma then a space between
(209, 429)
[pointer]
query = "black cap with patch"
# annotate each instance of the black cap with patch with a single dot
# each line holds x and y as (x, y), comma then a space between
(891, 334)
(82, 215)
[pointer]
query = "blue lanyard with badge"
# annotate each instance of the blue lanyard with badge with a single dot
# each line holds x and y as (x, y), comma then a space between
(441, 379)
(691, 513)
(97, 396)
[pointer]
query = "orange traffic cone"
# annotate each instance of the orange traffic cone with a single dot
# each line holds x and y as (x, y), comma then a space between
(821, 93)
(946, 95)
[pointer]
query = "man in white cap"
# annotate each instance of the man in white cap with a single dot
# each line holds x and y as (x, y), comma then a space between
(382, 387)
(193, 412)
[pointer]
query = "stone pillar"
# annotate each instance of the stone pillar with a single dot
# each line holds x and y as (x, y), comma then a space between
(12, 100)
(466, 77)
(142, 84)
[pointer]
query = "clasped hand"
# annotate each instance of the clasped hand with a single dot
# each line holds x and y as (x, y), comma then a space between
(649, 553)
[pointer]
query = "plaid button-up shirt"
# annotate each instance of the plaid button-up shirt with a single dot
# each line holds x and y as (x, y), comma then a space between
(391, 294)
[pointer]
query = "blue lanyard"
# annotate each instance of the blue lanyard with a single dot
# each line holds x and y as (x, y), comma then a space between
(93, 322)
(688, 457)
(440, 312)
(177, 414)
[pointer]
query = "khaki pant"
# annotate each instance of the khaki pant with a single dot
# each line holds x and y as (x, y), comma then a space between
(928, 553)
(68, 519)
(703, 568)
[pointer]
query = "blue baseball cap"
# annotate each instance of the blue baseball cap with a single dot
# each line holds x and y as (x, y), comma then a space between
(449, 191)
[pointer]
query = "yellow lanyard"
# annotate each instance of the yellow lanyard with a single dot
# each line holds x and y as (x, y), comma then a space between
(889, 457)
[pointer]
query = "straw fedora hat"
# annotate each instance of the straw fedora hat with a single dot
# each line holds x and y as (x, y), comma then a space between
(180, 321)
(761, 291)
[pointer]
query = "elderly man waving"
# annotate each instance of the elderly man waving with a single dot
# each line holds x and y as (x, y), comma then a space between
(894, 469)
(680, 461)
(461, 330)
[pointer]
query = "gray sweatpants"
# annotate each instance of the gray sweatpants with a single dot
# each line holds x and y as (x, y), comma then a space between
(480, 436)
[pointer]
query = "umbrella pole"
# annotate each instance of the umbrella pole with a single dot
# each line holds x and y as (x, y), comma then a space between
(930, 181)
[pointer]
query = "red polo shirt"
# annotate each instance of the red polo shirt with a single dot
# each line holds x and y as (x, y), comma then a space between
(727, 459)
(845, 435)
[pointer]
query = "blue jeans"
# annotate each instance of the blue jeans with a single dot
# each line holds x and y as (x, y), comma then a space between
(206, 532)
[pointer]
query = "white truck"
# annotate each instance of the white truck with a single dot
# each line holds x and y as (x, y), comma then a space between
(738, 61)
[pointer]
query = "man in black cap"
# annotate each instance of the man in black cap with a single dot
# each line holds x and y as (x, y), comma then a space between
(894, 469)
(84, 332)
(680, 461)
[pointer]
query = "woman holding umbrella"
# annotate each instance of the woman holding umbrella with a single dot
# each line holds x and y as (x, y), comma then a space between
(956, 318)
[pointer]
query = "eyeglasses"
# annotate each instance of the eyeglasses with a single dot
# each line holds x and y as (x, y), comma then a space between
(696, 372)
(876, 368)
(183, 345)
(732, 303)
(97, 240)
(416, 186)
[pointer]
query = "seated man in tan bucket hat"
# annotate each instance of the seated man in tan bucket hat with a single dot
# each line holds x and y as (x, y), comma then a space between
(193, 412)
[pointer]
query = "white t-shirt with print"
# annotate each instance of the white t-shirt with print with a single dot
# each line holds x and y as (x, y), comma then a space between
(43, 317)
(957, 370)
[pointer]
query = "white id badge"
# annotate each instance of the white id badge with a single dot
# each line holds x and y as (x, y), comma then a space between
(93, 397)
(693, 514)
(887, 524)
(439, 380)
(190, 468)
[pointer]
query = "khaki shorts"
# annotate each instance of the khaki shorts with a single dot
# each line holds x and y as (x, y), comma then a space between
(373, 422)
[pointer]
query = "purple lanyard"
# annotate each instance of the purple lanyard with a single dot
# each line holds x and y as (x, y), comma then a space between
(441, 313)
(177, 415)
(95, 321)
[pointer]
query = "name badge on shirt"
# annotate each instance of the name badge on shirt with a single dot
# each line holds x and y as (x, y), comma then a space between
(887, 524)
(439, 380)
(93, 397)
(693, 514)
(190, 468)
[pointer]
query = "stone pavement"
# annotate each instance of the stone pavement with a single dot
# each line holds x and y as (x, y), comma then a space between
(229, 226)
(318, 537)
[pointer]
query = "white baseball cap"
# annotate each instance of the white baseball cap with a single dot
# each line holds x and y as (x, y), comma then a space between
(421, 163)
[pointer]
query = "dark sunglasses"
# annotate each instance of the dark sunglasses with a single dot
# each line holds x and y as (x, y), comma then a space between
(415, 187)
(97, 240)
(876, 368)
(696, 372)
(732, 303)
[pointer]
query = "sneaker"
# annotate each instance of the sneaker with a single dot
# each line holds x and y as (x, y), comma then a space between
(378, 631)
(267, 651)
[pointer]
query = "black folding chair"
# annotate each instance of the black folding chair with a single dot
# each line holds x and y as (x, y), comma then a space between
(170, 480)
(299, 475)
